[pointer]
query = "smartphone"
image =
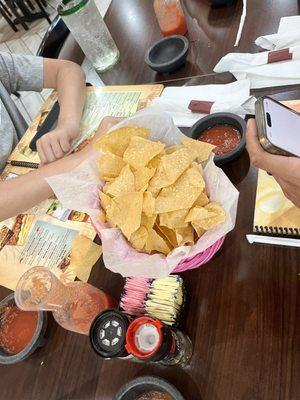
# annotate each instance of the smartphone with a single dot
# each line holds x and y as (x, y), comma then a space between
(48, 125)
(278, 127)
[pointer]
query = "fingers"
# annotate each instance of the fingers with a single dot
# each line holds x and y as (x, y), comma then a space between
(106, 124)
(258, 156)
(65, 145)
(41, 153)
(50, 149)
(254, 148)
(291, 191)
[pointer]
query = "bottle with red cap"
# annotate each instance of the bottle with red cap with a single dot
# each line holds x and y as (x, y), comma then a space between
(148, 339)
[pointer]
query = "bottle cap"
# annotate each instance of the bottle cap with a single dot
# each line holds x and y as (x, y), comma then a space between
(108, 333)
(144, 337)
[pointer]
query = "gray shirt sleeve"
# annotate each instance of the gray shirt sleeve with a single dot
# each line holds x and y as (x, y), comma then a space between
(21, 72)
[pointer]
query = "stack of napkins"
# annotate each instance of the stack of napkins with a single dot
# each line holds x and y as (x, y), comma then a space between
(288, 35)
(233, 97)
(277, 67)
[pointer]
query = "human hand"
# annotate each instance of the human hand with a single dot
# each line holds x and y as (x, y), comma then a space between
(286, 170)
(57, 143)
(106, 124)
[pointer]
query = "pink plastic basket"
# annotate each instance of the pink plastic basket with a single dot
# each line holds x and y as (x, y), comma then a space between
(193, 262)
(200, 258)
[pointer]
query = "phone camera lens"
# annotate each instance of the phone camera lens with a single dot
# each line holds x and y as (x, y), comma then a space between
(269, 122)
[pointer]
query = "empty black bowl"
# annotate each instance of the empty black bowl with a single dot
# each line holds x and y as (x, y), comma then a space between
(221, 119)
(168, 54)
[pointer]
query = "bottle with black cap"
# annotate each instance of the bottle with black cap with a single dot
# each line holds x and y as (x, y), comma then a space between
(108, 333)
(148, 339)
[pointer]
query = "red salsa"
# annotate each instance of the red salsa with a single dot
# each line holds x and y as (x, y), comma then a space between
(224, 137)
(17, 328)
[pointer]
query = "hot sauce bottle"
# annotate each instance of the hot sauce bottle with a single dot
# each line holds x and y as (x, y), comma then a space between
(170, 17)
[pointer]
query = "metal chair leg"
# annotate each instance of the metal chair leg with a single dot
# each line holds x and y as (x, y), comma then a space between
(43, 11)
(31, 6)
(8, 20)
(14, 10)
(6, 9)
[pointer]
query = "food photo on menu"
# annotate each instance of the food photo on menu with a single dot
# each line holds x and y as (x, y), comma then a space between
(149, 199)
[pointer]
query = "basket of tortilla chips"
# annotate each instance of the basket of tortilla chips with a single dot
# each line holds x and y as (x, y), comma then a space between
(156, 198)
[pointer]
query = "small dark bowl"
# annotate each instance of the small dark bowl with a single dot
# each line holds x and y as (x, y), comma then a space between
(36, 341)
(219, 119)
(168, 54)
(221, 2)
(139, 386)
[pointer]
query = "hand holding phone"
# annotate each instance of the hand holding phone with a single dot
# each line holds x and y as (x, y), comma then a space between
(278, 127)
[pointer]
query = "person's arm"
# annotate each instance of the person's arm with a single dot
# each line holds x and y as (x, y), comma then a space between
(286, 170)
(23, 192)
(68, 79)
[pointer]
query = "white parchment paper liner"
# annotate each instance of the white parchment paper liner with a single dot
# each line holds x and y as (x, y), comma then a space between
(78, 190)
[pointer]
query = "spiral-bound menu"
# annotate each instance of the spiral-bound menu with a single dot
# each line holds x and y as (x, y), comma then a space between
(274, 214)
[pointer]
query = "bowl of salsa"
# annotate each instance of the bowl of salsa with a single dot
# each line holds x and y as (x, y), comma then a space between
(148, 388)
(224, 130)
(21, 332)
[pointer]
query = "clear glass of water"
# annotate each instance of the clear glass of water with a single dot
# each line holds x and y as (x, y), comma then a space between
(84, 21)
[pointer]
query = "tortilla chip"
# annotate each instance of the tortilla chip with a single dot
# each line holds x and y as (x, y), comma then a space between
(202, 200)
(206, 217)
(105, 200)
(160, 179)
(138, 238)
(198, 213)
(102, 216)
(178, 201)
(154, 163)
(199, 231)
(174, 219)
(140, 151)
(156, 243)
(148, 222)
(203, 149)
(84, 254)
(185, 235)
(176, 163)
(148, 204)
(126, 211)
(110, 166)
(124, 183)
(172, 149)
(194, 177)
(117, 141)
(142, 177)
(168, 235)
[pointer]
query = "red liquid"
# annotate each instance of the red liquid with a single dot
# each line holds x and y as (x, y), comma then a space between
(17, 329)
(224, 137)
(82, 307)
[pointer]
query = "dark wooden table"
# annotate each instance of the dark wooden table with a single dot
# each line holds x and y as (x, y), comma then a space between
(243, 315)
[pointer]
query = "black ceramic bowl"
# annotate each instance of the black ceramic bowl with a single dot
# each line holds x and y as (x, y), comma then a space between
(168, 54)
(221, 2)
(37, 340)
(134, 389)
(221, 119)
